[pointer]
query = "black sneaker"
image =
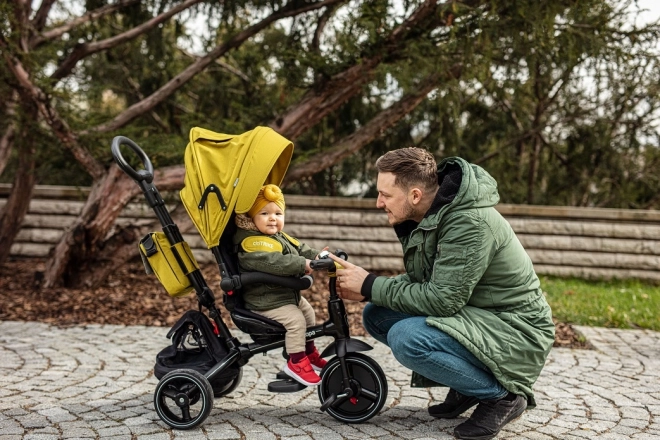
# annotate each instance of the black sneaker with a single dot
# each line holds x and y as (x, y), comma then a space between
(454, 405)
(490, 417)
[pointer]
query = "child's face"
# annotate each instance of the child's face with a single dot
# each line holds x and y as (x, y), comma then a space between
(270, 219)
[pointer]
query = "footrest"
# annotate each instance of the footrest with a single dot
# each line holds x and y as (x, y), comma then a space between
(285, 386)
(282, 375)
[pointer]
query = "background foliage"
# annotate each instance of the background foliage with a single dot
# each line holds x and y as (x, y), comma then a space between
(558, 100)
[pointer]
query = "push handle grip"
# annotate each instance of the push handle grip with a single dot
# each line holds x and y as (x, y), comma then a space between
(322, 264)
(147, 174)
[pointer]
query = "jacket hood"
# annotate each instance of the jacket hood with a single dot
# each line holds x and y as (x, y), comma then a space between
(477, 188)
(462, 185)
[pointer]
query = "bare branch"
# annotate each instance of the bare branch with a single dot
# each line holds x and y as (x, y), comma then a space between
(178, 81)
(316, 104)
(226, 66)
(233, 70)
(22, 9)
(486, 157)
(58, 125)
(323, 20)
(507, 105)
(562, 157)
(136, 91)
(39, 20)
(86, 49)
(85, 18)
(365, 134)
(559, 84)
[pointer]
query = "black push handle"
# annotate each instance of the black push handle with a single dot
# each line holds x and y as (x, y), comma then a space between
(248, 278)
(147, 174)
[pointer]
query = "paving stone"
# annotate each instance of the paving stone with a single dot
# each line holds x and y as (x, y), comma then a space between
(97, 382)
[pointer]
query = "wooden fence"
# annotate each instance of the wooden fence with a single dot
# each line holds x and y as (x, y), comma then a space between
(565, 241)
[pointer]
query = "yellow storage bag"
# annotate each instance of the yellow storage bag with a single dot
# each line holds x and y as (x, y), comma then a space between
(170, 263)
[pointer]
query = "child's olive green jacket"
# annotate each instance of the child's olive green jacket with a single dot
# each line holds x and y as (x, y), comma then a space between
(468, 273)
(278, 254)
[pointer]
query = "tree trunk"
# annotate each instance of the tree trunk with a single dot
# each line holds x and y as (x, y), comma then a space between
(122, 247)
(6, 143)
(18, 202)
(78, 249)
(81, 238)
(7, 139)
(533, 165)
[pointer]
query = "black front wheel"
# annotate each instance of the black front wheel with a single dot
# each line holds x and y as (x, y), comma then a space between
(368, 384)
(183, 399)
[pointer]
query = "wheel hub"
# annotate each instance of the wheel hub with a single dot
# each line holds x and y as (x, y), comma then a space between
(182, 400)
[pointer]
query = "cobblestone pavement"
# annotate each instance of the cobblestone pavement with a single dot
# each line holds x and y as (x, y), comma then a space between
(97, 382)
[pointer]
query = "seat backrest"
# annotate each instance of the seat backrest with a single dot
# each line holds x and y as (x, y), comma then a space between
(229, 257)
(260, 328)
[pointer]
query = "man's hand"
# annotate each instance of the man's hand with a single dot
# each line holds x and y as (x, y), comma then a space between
(349, 280)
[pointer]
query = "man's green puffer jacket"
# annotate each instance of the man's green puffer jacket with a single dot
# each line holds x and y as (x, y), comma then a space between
(289, 261)
(468, 273)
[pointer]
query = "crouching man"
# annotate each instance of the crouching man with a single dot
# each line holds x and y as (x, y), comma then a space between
(469, 312)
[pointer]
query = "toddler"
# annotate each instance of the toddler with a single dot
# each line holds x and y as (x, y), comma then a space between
(264, 247)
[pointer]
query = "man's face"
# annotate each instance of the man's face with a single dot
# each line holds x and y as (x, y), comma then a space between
(393, 200)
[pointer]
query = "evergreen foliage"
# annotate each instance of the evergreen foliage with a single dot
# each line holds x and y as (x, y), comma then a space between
(558, 100)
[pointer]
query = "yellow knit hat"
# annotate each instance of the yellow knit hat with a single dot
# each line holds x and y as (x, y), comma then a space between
(267, 193)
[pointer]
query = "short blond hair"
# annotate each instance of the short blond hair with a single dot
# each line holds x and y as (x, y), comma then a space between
(411, 166)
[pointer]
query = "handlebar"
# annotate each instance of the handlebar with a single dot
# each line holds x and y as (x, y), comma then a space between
(325, 263)
(147, 174)
(322, 264)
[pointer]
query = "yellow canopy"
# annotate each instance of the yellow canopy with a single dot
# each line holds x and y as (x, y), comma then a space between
(224, 173)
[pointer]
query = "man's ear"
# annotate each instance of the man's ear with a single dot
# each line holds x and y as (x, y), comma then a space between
(415, 195)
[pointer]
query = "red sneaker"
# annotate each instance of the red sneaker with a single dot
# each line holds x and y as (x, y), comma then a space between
(302, 372)
(316, 360)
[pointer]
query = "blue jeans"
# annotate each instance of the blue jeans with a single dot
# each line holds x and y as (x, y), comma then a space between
(431, 352)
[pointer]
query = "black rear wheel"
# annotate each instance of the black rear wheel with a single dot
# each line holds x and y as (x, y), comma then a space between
(183, 399)
(367, 381)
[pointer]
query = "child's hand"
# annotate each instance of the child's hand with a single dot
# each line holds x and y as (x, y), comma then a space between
(324, 249)
(308, 269)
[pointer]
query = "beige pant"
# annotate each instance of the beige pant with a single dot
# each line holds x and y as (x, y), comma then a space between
(295, 320)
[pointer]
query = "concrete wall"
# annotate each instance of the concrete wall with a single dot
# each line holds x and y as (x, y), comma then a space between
(565, 241)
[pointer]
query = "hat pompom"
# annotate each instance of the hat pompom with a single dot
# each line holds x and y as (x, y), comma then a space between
(267, 193)
(272, 193)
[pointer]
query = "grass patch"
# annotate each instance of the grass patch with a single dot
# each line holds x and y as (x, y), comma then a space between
(617, 303)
